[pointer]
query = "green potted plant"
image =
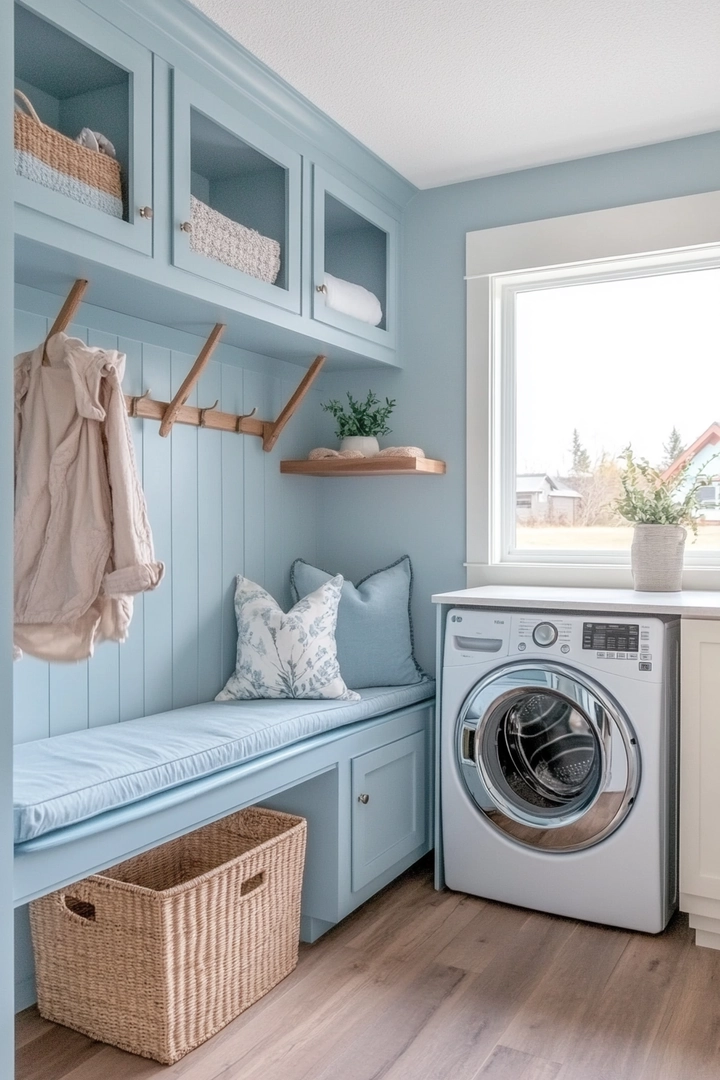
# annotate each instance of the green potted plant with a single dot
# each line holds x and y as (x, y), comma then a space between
(661, 508)
(360, 422)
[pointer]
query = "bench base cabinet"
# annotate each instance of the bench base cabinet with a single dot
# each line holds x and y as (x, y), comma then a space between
(389, 807)
(356, 846)
(699, 772)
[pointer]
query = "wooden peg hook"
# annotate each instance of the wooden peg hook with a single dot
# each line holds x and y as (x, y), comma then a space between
(66, 313)
(171, 413)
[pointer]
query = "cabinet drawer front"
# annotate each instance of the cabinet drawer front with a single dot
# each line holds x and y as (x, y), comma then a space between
(389, 788)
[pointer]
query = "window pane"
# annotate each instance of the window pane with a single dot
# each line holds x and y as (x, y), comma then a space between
(601, 366)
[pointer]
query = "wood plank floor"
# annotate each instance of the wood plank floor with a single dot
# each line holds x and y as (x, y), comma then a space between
(419, 985)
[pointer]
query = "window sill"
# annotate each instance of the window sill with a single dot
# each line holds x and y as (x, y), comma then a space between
(558, 575)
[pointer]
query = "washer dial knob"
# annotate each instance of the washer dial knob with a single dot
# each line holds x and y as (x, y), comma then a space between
(545, 634)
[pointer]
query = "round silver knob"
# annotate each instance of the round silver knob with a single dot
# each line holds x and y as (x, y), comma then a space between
(145, 211)
(545, 634)
(186, 226)
(364, 799)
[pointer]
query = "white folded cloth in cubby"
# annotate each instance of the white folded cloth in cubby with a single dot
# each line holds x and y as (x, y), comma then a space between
(352, 299)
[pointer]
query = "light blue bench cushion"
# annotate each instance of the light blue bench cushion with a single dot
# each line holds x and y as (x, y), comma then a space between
(69, 778)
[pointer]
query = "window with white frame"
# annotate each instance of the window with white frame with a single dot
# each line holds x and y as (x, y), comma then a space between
(572, 360)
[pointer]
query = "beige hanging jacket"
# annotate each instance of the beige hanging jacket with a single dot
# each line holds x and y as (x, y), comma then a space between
(82, 539)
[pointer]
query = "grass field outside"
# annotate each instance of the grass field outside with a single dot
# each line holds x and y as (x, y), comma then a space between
(600, 538)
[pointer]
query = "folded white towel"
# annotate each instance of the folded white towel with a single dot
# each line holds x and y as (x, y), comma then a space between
(95, 140)
(352, 300)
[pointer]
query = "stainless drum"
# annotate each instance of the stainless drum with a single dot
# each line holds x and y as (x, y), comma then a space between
(547, 755)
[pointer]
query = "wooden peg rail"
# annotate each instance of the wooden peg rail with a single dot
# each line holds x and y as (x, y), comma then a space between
(176, 411)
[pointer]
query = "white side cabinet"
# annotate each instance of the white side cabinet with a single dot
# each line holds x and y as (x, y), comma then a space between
(700, 778)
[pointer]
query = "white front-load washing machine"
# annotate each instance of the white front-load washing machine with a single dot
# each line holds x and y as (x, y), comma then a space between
(558, 758)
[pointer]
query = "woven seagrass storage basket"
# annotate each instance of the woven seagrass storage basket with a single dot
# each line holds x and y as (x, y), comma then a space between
(157, 954)
(52, 159)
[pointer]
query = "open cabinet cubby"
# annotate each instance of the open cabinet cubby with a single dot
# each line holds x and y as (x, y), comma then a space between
(354, 241)
(356, 250)
(236, 195)
(239, 182)
(71, 86)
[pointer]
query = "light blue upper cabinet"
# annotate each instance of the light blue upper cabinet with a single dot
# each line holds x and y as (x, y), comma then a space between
(236, 199)
(79, 72)
(354, 242)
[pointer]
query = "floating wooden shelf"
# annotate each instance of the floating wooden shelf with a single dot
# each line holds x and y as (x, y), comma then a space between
(374, 466)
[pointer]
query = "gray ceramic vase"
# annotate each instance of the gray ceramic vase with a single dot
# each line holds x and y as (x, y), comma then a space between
(656, 557)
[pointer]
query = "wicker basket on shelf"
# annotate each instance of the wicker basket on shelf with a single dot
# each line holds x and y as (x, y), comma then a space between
(157, 954)
(224, 240)
(47, 157)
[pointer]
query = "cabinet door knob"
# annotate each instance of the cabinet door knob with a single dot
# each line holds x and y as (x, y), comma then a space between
(364, 799)
(186, 226)
(145, 211)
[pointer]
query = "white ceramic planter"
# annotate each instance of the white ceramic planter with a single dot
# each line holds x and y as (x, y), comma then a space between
(366, 444)
(656, 557)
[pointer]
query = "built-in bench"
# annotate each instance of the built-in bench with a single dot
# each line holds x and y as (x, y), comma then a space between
(358, 771)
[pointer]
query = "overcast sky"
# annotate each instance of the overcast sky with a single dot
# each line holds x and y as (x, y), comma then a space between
(621, 361)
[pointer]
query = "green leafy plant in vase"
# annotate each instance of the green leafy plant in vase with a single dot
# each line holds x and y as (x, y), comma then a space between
(662, 507)
(359, 423)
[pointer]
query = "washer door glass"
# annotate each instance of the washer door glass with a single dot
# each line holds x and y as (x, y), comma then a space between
(547, 756)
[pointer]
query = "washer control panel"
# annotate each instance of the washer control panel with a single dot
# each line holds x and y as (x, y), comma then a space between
(542, 631)
(631, 646)
(595, 641)
(545, 634)
(618, 637)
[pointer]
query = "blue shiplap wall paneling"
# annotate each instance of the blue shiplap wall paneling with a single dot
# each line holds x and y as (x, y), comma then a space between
(233, 448)
(208, 480)
(256, 395)
(31, 677)
(291, 502)
(184, 529)
(131, 657)
(6, 554)
(157, 483)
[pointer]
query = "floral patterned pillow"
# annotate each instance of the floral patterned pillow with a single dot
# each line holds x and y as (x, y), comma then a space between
(286, 656)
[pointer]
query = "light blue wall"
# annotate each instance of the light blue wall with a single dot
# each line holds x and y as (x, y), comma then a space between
(218, 506)
(367, 523)
(6, 489)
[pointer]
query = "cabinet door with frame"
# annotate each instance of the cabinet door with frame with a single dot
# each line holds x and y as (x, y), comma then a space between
(79, 72)
(355, 241)
(236, 193)
(699, 773)
(389, 806)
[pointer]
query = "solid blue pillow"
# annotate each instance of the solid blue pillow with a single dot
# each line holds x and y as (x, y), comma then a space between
(374, 632)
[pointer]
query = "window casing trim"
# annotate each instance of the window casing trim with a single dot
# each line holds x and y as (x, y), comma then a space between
(610, 241)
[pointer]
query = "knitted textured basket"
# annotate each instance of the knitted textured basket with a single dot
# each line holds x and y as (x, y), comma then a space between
(226, 241)
(49, 158)
(157, 954)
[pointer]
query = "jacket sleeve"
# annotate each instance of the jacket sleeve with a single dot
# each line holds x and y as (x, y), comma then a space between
(134, 568)
(22, 383)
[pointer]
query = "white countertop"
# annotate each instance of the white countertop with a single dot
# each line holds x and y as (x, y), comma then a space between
(688, 605)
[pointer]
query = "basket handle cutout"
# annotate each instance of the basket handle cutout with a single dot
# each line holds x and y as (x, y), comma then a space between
(252, 884)
(82, 909)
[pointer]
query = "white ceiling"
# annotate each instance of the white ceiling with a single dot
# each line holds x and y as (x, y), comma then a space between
(449, 90)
